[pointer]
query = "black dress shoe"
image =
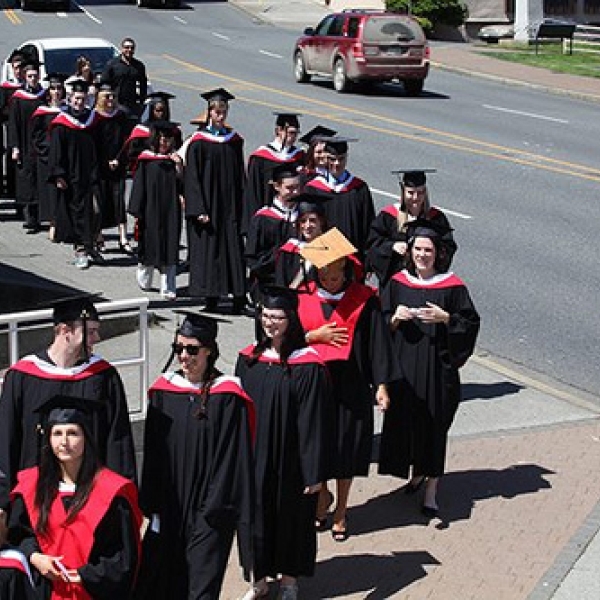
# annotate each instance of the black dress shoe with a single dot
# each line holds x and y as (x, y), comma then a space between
(430, 512)
(29, 226)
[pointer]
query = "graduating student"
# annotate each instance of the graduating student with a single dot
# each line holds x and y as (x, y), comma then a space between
(66, 367)
(110, 133)
(214, 181)
(317, 158)
(344, 323)
(347, 199)
(22, 105)
(156, 204)
(288, 383)
(14, 82)
(157, 107)
(271, 226)
(265, 159)
(197, 484)
(387, 243)
(75, 522)
(434, 327)
(73, 169)
(40, 140)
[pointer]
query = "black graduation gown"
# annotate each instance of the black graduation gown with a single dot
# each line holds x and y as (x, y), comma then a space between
(415, 427)
(7, 165)
(34, 380)
(22, 106)
(198, 478)
(269, 228)
(214, 180)
(40, 139)
(112, 566)
(381, 258)
(348, 206)
(258, 191)
(154, 201)
(368, 362)
(73, 158)
(14, 578)
(293, 416)
(110, 133)
(289, 262)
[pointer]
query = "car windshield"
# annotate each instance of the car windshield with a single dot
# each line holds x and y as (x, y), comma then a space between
(64, 60)
(387, 30)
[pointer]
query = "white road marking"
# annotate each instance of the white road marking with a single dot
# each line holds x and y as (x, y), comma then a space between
(271, 54)
(61, 15)
(180, 20)
(525, 114)
(445, 210)
(87, 13)
(220, 35)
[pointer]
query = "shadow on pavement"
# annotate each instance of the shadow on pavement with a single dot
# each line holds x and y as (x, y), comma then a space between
(376, 576)
(488, 391)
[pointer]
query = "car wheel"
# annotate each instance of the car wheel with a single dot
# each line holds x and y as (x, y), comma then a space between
(300, 73)
(341, 83)
(413, 87)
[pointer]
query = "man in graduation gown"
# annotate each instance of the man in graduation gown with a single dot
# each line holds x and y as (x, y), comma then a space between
(271, 226)
(265, 159)
(214, 181)
(7, 89)
(67, 367)
(23, 104)
(197, 485)
(347, 199)
(73, 169)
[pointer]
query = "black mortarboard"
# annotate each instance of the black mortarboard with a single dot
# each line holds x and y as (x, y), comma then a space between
(309, 204)
(287, 119)
(278, 297)
(55, 78)
(30, 63)
(284, 171)
(79, 85)
(201, 327)
(317, 132)
(336, 144)
(156, 96)
(75, 308)
(413, 177)
(216, 95)
(62, 410)
(426, 228)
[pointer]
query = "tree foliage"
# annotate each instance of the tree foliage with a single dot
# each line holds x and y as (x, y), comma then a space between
(432, 12)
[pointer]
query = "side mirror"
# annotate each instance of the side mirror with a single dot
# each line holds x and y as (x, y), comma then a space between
(309, 31)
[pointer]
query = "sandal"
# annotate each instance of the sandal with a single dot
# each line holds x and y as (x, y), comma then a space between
(340, 535)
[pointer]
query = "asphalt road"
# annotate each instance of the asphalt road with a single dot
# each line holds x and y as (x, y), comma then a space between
(517, 168)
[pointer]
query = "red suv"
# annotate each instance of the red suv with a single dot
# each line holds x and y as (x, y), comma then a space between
(362, 46)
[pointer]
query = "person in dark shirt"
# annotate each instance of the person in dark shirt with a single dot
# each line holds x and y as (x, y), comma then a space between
(127, 76)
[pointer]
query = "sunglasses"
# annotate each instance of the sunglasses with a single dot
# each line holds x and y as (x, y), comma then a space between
(191, 349)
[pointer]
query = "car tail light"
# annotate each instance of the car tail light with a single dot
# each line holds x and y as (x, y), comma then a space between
(427, 51)
(357, 50)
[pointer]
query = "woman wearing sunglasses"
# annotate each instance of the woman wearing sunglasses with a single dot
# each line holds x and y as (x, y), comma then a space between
(197, 480)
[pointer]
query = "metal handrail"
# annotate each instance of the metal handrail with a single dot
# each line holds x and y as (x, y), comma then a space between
(13, 320)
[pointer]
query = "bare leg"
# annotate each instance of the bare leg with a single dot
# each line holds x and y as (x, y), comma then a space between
(324, 502)
(339, 516)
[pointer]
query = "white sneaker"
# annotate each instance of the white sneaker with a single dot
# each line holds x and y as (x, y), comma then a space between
(82, 260)
(259, 590)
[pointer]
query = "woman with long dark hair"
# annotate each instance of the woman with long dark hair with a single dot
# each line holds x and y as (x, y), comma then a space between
(76, 523)
(289, 386)
(434, 328)
(197, 479)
